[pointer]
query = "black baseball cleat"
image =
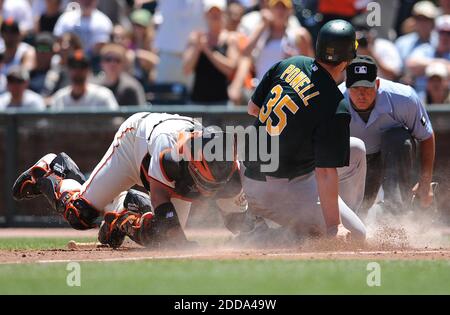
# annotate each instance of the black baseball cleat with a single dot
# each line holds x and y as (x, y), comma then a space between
(110, 233)
(25, 186)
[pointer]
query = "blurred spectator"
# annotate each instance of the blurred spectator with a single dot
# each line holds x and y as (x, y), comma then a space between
(18, 96)
(273, 40)
(404, 23)
(58, 75)
(16, 51)
(142, 57)
(38, 7)
(92, 26)
(234, 13)
(126, 89)
(423, 13)
(254, 18)
(179, 19)
(2, 75)
(81, 93)
(241, 83)
(445, 6)
(116, 10)
(437, 91)
(47, 20)
(426, 53)
(212, 57)
(346, 9)
(120, 36)
(44, 46)
(20, 11)
(382, 50)
(149, 5)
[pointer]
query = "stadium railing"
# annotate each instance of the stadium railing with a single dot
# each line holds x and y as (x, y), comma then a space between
(85, 135)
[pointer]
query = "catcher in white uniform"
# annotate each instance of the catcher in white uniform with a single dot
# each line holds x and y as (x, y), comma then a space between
(152, 150)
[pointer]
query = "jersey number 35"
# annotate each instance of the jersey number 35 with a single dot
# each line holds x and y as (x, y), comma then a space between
(277, 106)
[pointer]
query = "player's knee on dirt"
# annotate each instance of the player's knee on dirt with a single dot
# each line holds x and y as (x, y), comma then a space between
(239, 221)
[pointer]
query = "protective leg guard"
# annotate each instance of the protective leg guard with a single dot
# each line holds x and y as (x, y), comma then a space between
(64, 197)
(110, 233)
(78, 212)
(137, 227)
(25, 187)
(160, 228)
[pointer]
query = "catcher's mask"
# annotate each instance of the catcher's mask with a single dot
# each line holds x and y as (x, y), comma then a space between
(209, 174)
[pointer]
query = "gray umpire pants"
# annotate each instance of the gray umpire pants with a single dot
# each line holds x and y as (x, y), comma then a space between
(394, 168)
(295, 204)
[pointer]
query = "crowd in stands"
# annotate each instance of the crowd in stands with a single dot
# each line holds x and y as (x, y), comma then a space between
(111, 53)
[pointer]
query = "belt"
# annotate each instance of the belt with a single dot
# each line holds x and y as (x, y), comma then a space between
(255, 175)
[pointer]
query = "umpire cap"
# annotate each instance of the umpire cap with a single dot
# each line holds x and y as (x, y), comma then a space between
(336, 42)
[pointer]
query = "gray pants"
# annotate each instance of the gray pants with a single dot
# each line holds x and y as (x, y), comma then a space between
(295, 203)
(393, 168)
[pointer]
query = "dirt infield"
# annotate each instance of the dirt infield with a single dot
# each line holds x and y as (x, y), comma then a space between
(210, 250)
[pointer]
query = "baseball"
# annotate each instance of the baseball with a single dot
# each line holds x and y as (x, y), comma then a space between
(72, 245)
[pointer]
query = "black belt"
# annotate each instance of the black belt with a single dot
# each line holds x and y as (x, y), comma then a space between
(255, 175)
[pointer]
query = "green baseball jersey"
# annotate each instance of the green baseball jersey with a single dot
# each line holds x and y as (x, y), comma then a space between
(302, 106)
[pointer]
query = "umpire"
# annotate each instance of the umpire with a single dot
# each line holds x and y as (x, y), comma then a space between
(390, 118)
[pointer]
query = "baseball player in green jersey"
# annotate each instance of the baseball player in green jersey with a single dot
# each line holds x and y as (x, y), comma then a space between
(321, 170)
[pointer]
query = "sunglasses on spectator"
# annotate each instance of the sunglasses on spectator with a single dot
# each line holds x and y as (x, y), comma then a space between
(444, 33)
(112, 59)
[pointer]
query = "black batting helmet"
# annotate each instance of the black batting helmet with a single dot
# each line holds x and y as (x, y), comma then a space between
(336, 42)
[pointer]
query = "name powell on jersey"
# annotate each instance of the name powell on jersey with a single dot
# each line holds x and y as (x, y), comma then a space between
(300, 82)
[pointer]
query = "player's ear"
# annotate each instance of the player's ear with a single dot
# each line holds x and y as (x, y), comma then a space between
(378, 83)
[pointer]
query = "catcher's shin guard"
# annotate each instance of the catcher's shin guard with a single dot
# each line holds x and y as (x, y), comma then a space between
(64, 196)
(110, 232)
(25, 187)
(152, 229)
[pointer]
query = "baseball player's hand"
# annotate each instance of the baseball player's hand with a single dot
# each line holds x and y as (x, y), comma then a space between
(339, 232)
(424, 193)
